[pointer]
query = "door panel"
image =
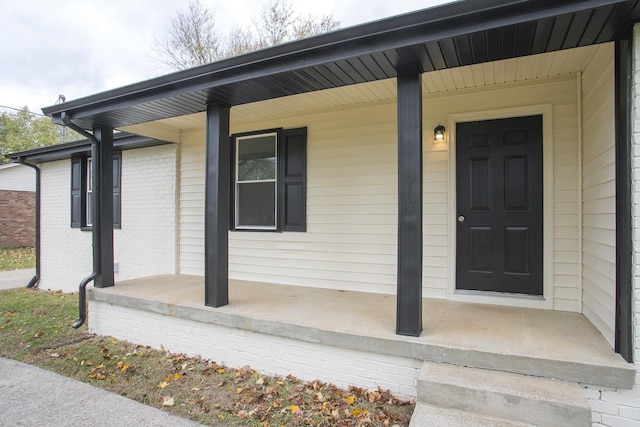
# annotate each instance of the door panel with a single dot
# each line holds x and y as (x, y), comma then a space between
(499, 202)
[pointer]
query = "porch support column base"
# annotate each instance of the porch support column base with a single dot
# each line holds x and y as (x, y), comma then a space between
(216, 219)
(409, 293)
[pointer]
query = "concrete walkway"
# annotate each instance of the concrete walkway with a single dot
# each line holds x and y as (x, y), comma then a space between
(16, 278)
(34, 397)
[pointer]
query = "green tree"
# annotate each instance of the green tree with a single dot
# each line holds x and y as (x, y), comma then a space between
(22, 130)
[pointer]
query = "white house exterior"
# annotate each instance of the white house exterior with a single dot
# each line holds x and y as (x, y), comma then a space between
(351, 237)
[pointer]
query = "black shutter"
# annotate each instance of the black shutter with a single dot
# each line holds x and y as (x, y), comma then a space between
(78, 193)
(117, 167)
(293, 180)
(232, 180)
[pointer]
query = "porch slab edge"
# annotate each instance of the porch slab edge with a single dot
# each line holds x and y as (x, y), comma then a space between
(621, 376)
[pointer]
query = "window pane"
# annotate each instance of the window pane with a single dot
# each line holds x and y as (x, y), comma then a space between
(257, 204)
(257, 158)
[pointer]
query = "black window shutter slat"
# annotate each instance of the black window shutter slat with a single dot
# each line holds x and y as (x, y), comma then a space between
(117, 168)
(77, 192)
(293, 182)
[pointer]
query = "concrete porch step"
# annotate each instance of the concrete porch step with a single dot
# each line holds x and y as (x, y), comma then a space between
(434, 416)
(510, 398)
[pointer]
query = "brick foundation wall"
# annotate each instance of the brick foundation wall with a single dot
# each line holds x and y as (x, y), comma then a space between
(265, 353)
(17, 218)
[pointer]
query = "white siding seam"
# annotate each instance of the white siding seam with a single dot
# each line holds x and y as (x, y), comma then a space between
(579, 188)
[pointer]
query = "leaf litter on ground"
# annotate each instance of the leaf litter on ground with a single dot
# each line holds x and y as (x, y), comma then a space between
(203, 390)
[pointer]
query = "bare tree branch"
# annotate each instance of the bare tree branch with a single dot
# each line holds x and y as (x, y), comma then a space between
(192, 38)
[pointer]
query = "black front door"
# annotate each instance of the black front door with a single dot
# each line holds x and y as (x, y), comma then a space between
(499, 205)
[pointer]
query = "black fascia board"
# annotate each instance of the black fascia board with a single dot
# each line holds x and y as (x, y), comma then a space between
(121, 142)
(435, 23)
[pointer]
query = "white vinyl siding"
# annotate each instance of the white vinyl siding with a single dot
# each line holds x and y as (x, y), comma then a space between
(15, 177)
(598, 185)
(561, 94)
(350, 242)
(351, 238)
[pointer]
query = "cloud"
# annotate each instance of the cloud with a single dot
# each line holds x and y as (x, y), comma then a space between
(81, 47)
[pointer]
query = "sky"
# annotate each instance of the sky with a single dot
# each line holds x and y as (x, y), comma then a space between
(81, 47)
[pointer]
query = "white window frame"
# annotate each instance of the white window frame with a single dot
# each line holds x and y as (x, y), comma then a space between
(89, 193)
(238, 226)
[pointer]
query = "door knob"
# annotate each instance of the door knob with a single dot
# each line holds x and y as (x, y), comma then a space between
(461, 218)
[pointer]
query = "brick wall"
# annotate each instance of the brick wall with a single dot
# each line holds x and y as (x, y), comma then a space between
(146, 243)
(269, 354)
(17, 218)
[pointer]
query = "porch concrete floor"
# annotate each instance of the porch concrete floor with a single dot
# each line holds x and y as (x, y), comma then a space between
(543, 343)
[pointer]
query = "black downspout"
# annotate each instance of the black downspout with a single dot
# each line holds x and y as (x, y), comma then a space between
(82, 288)
(35, 279)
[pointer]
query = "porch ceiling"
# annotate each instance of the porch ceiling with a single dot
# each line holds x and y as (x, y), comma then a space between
(442, 38)
(512, 70)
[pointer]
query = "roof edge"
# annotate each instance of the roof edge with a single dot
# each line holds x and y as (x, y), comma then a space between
(465, 9)
(122, 141)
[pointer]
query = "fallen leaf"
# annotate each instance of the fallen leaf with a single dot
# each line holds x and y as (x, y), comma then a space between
(220, 371)
(55, 355)
(350, 399)
(239, 390)
(260, 381)
(113, 340)
(176, 377)
(294, 408)
(163, 384)
(167, 401)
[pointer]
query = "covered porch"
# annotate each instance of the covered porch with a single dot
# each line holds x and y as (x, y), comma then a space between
(539, 343)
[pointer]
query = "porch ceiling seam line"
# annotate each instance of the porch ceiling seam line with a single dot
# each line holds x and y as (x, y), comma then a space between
(283, 59)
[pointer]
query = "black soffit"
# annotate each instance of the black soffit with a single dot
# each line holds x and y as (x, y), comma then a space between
(453, 35)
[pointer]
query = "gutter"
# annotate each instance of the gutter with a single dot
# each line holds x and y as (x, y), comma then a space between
(82, 288)
(35, 279)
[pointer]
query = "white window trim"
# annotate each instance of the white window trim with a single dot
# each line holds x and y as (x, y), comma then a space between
(89, 192)
(238, 182)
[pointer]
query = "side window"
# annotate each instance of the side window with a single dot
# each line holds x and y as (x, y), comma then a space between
(256, 174)
(269, 180)
(82, 190)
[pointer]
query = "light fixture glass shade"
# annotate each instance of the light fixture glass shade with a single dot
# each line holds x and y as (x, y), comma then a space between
(439, 133)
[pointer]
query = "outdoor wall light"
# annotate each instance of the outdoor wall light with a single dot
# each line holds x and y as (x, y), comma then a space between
(439, 134)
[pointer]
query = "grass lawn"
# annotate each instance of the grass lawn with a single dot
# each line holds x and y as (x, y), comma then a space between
(35, 328)
(17, 258)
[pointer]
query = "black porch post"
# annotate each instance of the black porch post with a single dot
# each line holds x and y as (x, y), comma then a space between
(216, 215)
(102, 209)
(624, 229)
(409, 298)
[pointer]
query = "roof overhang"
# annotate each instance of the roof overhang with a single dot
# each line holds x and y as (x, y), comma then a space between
(121, 141)
(456, 34)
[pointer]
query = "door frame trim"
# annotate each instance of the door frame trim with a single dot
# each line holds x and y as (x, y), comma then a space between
(546, 300)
